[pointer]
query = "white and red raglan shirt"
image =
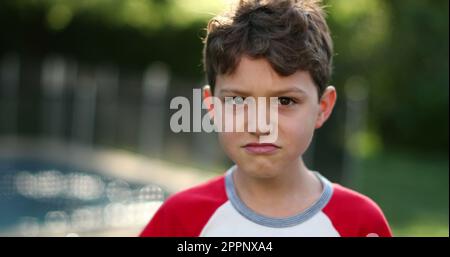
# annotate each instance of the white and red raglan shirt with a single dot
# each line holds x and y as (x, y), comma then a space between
(214, 209)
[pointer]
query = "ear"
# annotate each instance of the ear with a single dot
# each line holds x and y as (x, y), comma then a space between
(207, 99)
(327, 102)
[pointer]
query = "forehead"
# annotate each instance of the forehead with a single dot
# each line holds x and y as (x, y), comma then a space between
(257, 77)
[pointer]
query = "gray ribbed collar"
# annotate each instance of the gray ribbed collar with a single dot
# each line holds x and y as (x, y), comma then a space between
(276, 222)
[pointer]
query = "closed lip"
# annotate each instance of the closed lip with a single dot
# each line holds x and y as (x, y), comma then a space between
(261, 148)
(261, 145)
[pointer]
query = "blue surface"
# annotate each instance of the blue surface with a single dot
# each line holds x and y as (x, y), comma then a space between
(14, 205)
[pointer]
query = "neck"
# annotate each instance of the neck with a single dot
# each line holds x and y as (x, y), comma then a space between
(275, 196)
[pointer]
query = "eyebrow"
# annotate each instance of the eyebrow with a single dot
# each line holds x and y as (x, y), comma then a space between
(274, 92)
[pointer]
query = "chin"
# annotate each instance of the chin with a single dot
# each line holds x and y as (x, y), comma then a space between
(260, 169)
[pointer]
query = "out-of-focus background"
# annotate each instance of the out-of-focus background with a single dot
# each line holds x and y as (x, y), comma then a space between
(85, 87)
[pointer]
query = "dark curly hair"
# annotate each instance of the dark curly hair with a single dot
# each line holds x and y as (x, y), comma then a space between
(291, 34)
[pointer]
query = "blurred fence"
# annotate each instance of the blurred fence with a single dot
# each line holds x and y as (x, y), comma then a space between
(97, 105)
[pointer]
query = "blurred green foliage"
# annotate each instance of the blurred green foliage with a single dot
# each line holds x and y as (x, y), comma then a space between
(412, 190)
(400, 50)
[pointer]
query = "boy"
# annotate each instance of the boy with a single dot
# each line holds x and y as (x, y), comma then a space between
(276, 49)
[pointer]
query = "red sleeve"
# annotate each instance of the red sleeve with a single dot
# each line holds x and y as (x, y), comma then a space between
(356, 215)
(186, 213)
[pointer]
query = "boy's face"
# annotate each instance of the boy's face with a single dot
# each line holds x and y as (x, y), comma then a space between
(300, 112)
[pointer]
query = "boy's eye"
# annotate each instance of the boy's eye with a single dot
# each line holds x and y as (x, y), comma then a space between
(285, 100)
(234, 100)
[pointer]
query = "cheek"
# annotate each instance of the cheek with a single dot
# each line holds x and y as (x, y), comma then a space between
(297, 131)
(229, 141)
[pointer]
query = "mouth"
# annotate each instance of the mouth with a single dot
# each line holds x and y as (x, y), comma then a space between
(261, 148)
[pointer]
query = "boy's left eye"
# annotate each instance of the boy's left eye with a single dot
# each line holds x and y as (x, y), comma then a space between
(285, 100)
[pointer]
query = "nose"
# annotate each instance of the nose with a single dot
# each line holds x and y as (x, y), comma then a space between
(261, 119)
(260, 130)
(259, 133)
